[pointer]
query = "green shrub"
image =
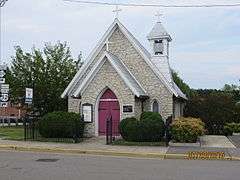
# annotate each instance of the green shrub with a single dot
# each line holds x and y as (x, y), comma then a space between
(231, 128)
(129, 129)
(152, 126)
(149, 128)
(187, 129)
(61, 125)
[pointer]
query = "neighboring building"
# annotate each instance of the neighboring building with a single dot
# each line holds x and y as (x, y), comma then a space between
(120, 78)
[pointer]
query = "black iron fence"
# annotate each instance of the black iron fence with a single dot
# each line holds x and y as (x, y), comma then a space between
(32, 131)
(168, 136)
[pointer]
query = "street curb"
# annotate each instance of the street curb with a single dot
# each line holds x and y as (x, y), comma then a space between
(105, 153)
(83, 151)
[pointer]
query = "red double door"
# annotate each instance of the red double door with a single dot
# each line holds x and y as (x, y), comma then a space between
(108, 107)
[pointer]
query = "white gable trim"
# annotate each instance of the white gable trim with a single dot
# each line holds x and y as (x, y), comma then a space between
(89, 59)
(96, 69)
(101, 44)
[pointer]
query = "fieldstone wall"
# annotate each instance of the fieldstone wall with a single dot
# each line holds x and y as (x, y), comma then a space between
(73, 105)
(107, 77)
(123, 49)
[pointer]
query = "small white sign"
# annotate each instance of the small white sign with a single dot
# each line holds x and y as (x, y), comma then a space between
(2, 80)
(29, 93)
(3, 67)
(2, 73)
(4, 97)
(3, 104)
(87, 113)
(4, 88)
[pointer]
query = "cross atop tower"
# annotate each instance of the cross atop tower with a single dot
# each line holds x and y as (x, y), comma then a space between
(117, 10)
(158, 15)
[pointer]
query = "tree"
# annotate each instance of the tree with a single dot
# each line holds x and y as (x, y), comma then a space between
(48, 72)
(181, 84)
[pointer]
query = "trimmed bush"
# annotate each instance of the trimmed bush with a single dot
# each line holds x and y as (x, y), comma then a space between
(187, 130)
(129, 129)
(61, 125)
(231, 128)
(150, 128)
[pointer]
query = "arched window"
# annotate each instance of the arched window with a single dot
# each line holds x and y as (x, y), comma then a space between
(155, 106)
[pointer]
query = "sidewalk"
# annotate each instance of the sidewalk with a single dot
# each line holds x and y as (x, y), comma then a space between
(96, 146)
(90, 146)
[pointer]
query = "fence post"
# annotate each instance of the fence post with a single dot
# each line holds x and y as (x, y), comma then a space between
(107, 131)
(168, 135)
(25, 128)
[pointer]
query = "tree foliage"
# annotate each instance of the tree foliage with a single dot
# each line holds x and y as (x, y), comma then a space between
(214, 107)
(181, 84)
(48, 72)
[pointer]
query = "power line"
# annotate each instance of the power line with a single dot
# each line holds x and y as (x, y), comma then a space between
(156, 5)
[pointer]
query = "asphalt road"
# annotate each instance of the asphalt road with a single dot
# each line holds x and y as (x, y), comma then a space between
(29, 166)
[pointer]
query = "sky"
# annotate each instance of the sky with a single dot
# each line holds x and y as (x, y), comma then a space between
(205, 50)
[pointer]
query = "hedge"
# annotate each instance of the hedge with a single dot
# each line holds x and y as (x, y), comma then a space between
(215, 108)
(61, 125)
(231, 128)
(150, 128)
(187, 130)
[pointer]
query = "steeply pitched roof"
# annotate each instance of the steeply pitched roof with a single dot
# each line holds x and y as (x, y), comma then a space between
(158, 31)
(135, 43)
(179, 91)
(120, 68)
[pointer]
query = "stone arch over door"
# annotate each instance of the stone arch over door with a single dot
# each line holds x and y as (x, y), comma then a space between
(108, 106)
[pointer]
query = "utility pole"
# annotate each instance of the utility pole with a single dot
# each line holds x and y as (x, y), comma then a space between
(4, 88)
(2, 3)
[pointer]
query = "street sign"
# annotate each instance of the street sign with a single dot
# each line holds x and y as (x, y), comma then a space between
(3, 67)
(29, 95)
(4, 97)
(2, 80)
(3, 104)
(4, 88)
(2, 73)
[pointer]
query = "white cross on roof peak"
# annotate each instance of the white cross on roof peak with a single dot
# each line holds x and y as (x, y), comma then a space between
(117, 10)
(158, 15)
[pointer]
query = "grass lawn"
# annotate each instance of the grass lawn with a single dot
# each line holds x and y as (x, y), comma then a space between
(12, 133)
(121, 142)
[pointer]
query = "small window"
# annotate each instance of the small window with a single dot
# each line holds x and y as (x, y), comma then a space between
(158, 47)
(155, 107)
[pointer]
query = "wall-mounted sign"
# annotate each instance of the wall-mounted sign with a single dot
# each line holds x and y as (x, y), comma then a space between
(87, 111)
(128, 109)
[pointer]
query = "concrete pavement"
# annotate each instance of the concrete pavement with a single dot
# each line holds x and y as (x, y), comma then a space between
(96, 146)
(215, 141)
(38, 166)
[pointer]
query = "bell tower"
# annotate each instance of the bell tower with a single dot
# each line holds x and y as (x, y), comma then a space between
(159, 43)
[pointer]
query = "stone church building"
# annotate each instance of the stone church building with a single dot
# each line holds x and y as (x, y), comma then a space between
(120, 79)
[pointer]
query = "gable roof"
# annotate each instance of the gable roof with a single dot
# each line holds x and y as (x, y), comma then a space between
(136, 44)
(120, 68)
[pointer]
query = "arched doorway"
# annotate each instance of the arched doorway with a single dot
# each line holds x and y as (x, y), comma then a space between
(108, 106)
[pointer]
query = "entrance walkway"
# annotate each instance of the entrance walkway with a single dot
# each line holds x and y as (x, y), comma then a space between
(216, 141)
